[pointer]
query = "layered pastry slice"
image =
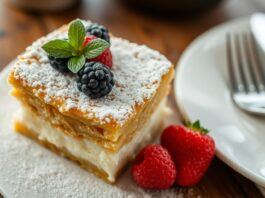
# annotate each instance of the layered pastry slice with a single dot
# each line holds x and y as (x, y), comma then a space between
(102, 134)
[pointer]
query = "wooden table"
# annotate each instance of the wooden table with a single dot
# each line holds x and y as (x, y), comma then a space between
(168, 35)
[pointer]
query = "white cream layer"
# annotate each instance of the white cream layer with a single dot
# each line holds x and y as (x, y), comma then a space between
(85, 149)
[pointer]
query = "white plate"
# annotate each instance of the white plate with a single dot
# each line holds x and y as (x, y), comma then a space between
(202, 93)
(29, 170)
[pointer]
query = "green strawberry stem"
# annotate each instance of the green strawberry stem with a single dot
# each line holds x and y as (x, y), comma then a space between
(196, 126)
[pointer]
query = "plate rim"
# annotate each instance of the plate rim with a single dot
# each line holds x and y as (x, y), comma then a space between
(178, 95)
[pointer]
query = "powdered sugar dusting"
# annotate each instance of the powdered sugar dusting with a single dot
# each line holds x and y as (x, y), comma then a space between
(137, 70)
(29, 170)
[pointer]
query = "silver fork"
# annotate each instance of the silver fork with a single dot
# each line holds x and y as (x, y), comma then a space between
(247, 82)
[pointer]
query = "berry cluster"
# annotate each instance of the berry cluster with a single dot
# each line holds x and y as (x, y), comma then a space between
(95, 78)
(183, 158)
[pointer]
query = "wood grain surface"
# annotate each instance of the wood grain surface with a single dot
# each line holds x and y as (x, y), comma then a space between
(168, 34)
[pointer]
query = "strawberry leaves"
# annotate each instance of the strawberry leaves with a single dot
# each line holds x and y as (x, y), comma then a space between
(74, 49)
(196, 126)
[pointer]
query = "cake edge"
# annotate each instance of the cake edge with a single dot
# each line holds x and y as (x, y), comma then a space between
(109, 177)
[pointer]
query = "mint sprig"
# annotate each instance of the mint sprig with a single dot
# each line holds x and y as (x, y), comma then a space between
(74, 48)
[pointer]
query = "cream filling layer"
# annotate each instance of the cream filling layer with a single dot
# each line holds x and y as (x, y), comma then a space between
(85, 149)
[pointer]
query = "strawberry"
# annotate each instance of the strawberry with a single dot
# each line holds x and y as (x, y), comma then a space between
(191, 149)
(88, 39)
(153, 168)
(105, 57)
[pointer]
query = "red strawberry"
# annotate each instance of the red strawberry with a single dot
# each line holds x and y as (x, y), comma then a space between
(153, 168)
(105, 57)
(191, 149)
(88, 39)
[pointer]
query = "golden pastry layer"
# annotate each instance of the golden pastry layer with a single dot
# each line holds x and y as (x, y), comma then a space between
(111, 140)
(104, 164)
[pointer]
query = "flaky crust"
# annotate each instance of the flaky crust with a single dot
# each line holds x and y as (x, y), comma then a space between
(104, 137)
(138, 72)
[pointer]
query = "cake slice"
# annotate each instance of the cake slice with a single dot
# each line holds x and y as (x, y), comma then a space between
(101, 134)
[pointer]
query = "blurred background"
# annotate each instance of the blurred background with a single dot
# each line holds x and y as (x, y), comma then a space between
(166, 25)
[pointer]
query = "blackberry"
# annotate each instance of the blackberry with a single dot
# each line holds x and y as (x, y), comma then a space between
(99, 31)
(95, 80)
(59, 64)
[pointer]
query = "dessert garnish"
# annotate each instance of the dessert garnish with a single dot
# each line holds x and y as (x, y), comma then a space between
(99, 31)
(153, 168)
(95, 80)
(71, 54)
(105, 57)
(191, 149)
(74, 49)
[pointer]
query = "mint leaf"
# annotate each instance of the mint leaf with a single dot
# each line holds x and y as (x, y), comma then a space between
(76, 34)
(76, 63)
(95, 48)
(58, 48)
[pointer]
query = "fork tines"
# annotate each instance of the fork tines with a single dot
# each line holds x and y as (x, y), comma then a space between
(244, 66)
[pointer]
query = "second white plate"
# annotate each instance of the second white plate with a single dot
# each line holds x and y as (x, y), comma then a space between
(202, 93)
